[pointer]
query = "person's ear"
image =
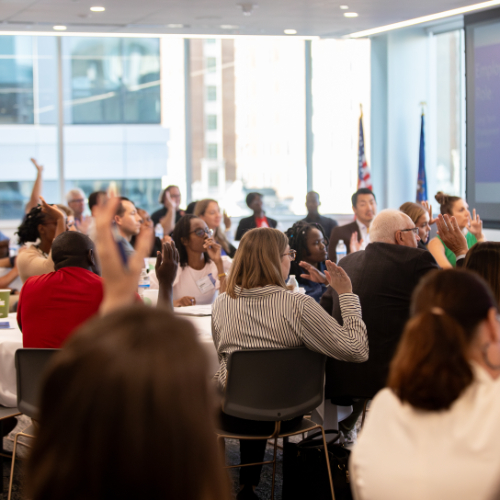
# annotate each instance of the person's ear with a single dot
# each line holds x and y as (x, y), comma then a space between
(41, 229)
(398, 237)
(91, 257)
(116, 219)
(185, 241)
(493, 325)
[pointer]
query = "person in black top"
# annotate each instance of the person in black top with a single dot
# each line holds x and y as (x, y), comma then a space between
(170, 198)
(313, 216)
(258, 219)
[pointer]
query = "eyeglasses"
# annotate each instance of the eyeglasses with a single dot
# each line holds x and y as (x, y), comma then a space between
(77, 200)
(414, 229)
(201, 232)
(292, 254)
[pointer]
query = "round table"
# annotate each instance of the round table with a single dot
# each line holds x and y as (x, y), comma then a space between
(12, 339)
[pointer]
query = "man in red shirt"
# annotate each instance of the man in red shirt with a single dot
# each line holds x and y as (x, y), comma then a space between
(53, 305)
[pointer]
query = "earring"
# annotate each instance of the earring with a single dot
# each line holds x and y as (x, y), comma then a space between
(484, 352)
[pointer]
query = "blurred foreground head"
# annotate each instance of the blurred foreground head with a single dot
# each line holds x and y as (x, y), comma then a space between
(127, 413)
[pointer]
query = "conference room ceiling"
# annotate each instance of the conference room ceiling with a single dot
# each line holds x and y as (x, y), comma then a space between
(214, 17)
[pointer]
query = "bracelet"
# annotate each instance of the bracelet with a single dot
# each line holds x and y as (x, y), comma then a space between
(222, 275)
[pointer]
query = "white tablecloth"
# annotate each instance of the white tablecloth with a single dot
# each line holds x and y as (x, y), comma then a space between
(11, 340)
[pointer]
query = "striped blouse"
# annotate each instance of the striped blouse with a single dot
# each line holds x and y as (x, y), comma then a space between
(270, 317)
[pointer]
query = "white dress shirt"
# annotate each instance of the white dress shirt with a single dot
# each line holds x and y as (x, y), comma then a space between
(364, 234)
(410, 454)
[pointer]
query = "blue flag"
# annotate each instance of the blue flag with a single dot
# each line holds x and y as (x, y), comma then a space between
(422, 180)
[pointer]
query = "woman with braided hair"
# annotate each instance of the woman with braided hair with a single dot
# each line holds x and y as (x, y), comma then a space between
(40, 226)
(308, 239)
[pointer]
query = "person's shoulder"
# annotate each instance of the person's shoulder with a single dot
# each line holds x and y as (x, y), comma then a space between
(272, 222)
(346, 228)
(246, 220)
(158, 213)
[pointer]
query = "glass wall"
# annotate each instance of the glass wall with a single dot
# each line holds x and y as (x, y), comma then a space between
(450, 71)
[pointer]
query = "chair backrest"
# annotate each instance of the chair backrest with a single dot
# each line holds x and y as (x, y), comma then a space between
(30, 365)
(273, 384)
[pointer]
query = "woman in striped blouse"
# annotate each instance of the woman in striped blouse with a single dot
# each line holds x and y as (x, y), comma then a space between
(258, 312)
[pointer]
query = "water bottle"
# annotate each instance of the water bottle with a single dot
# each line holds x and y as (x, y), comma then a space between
(159, 231)
(292, 283)
(144, 283)
(341, 250)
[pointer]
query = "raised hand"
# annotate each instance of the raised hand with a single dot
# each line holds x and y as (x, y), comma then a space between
(354, 244)
(51, 210)
(450, 234)
(337, 278)
(428, 208)
(313, 273)
(120, 281)
(476, 226)
(169, 203)
(227, 220)
(37, 165)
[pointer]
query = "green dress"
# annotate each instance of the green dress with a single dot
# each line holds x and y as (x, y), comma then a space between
(471, 240)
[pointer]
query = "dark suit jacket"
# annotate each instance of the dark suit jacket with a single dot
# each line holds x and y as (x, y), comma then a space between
(342, 233)
(249, 223)
(384, 277)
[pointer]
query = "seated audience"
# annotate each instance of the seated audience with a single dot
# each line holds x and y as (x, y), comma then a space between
(257, 312)
(139, 443)
(128, 224)
(4, 245)
(310, 243)
(384, 277)
(313, 216)
(484, 259)
(434, 429)
(88, 227)
(39, 227)
(422, 218)
(472, 228)
(51, 306)
(36, 192)
(355, 235)
(70, 217)
(170, 214)
(76, 201)
(190, 208)
(258, 219)
(7, 277)
(209, 211)
(202, 272)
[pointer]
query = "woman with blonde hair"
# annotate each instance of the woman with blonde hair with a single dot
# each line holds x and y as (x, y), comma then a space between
(258, 312)
(421, 218)
(471, 226)
(209, 211)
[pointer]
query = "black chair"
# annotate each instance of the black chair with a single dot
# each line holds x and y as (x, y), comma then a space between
(274, 385)
(30, 366)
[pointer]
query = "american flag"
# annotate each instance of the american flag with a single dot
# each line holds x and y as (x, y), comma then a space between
(364, 176)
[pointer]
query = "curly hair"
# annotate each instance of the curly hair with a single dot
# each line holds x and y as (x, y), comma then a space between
(28, 230)
(182, 230)
(297, 239)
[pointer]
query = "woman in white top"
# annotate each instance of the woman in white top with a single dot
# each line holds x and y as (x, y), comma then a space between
(434, 433)
(40, 226)
(202, 271)
(258, 312)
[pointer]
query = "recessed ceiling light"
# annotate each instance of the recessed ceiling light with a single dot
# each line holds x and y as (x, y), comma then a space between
(290, 32)
(59, 28)
(425, 19)
(229, 26)
(350, 14)
(175, 26)
(97, 9)
(344, 7)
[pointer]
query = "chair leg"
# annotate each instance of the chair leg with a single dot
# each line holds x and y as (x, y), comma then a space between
(328, 463)
(364, 413)
(274, 466)
(222, 446)
(12, 467)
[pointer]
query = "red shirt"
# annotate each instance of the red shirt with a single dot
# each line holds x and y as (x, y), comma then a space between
(261, 221)
(52, 305)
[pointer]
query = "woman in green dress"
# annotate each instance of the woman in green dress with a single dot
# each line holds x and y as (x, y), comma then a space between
(472, 227)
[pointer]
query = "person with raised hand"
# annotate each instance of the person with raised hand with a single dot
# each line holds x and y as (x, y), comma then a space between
(42, 224)
(471, 226)
(36, 192)
(258, 312)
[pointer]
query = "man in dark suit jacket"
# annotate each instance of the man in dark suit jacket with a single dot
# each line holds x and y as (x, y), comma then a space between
(313, 215)
(364, 206)
(384, 277)
(258, 219)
